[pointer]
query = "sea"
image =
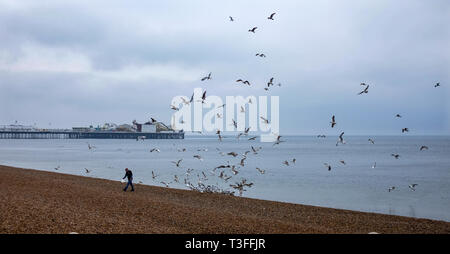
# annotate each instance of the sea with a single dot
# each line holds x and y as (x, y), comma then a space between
(355, 185)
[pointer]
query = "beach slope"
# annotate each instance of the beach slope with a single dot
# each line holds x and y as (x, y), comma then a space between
(33, 201)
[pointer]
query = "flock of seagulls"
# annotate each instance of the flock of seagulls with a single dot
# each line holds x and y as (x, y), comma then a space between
(341, 140)
(235, 169)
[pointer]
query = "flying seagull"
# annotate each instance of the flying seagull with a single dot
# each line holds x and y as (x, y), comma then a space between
(278, 141)
(232, 154)
(234, 123)
(423, 148)
(328, 166)
(166, 184)
(155, 150)
(395, 155)
(437, 84)
(207, 77)
(398, 116)
(264, 120)
(271, 16)
(366, 90)
(333, 122)
(260, 55)
(231, 18)
(198, 157)
(253, 29)
(262, 171)
(371, 141)
(87, 170)
(405, 130)
(391, 188)
(177, 163)
(244, 81)
(343, 162)
(204, 97)
(413, 186)
(341, 139)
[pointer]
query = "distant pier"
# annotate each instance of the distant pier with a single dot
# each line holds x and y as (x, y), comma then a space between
(88, 135)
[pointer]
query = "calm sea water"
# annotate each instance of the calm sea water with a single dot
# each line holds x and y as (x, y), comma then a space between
(354, 186)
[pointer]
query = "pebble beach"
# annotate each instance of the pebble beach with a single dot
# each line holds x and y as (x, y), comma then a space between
(41, 202)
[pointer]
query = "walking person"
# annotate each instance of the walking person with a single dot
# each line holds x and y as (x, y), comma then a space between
(129, 175)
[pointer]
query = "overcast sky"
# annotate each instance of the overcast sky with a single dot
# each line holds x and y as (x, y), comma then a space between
(77, 63)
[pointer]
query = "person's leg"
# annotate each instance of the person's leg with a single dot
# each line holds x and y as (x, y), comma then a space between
(132, 187)
(126, 187)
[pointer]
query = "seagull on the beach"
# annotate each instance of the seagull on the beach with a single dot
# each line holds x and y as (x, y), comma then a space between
(371, 141)
(174, 108)
(333, 122)
(57, 168)
(294, 160)
(423, 148)
(374, 165)
(395, 155)
(154, 175)
(90, 147)
(413, 186)
(391, 188)
(177, 163)
(343, 162)
(286, 163)
(328, 166)
(252, 138)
